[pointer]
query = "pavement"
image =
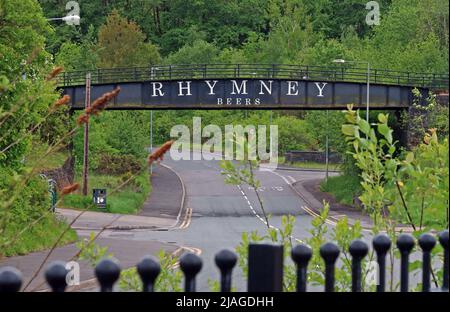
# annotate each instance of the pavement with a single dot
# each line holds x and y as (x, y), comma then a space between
(167, 198)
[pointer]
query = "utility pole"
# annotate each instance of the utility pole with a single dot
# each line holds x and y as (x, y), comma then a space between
(326, 151)
(151, 139)
(87, 104)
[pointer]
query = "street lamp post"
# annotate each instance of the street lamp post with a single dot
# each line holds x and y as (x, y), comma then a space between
(341, 61)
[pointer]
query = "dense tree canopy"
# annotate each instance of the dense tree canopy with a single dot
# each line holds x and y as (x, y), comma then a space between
(412, 35)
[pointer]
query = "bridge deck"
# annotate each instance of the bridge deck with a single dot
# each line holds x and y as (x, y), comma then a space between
(250, 86)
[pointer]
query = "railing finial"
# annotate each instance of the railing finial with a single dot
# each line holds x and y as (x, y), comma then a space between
(381, 243)
(10, 280)
(107, 273)
(330, 253)
(190, 264)
(405, 243)
(148, 270)
(225, 261)
(301, 254)
(56, 275)
(358, 249)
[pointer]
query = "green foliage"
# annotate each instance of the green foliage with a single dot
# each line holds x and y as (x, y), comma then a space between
(198, 52)
(110, 133)
(327, 123)
(26, 94)
(25, 64)
(425, 114)
(32, 202)
(79, 56)
(342, 234)
(412, 35)
(92, 252)
(343, 187)
(17, 239)
(294, 134)
(118, 164)
(169, 279)
(121, 44)
(413, 187)
(125, 194)
(283, 236)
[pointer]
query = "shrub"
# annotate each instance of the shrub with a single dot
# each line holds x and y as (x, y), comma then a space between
(118, 164)
(30, 203)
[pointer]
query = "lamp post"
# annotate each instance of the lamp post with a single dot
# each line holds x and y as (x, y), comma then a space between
(341, 61)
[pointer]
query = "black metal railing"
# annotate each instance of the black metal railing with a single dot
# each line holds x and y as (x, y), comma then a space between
(265, 267)
(262, 71)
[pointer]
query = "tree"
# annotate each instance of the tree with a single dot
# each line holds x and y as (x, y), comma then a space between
(79, 56)
(26, 93)
(413, 36)
(121, 43)
(291, 34)
(199, 52)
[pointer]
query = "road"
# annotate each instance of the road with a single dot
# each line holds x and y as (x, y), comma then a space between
(218, 214)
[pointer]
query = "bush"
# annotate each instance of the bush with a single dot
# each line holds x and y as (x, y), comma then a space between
(344, 188)
(293, 134)
(30, 203)
(28, 208)
(118, 164)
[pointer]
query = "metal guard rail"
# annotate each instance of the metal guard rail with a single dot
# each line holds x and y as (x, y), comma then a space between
(262, 71)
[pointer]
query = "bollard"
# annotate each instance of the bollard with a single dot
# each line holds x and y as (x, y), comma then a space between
(190, 264)
(107, 273)
(381, 243)
(405, 243)
(225, 261)
(330, 253)
(358, 249)
(56, 275)
(301, 254)
(148, 269)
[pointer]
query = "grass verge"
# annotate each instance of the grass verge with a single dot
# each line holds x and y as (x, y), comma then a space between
(344, 188)
(39, 237)
(308, 165)
(126, 200)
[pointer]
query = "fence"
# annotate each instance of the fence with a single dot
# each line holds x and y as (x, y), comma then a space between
(265, 267)
(261, 71)
(312, 156)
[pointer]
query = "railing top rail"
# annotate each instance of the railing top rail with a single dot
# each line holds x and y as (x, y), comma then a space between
(333, 72)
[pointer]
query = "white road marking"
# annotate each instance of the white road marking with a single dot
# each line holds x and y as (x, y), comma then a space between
(262, 219)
